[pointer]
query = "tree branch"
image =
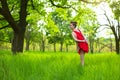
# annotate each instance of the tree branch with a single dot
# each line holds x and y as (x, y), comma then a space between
(33, 7)
(104, 25)
(97, 2)
(4, 11)
(12, 8)
(74, 9)
(4, 40)
(23, 12)
(70, 6)
(59, 6)
(64, 7)
(2, 18)
(32, 4)
(105, 45)
(4, 27)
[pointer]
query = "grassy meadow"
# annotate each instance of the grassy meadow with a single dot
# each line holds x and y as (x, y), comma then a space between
(58, 66)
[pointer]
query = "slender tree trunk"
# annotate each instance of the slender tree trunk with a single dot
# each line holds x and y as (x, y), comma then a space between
(61, 47)
(27, 37)
(27, 45)
(91, 46)
(66, 47)
(33, 45)
(118, 37)
(97, 45)
(40, 46)
(43, 45)
(54, 47)
(117, 45)
(111, 45)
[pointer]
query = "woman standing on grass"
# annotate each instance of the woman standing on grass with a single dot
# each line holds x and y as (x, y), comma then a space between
(82, 45)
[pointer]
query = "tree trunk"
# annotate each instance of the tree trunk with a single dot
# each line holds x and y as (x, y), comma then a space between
(111, 45)
(18, 41)
(117, 45)
(27, 37)
(66, 47)
(61, 47)
(43, 45)
(54, 47)
(91, 46)
(33, 46)
(27, 45)
(18, 28)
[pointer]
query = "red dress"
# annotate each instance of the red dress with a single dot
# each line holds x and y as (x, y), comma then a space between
(82, 45)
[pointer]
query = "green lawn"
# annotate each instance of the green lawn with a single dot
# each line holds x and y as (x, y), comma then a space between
(58, 66)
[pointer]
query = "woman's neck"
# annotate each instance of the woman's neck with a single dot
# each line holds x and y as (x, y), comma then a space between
(74, 29)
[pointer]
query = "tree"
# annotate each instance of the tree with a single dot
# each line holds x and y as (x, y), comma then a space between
(32, 30)
(116, 29)
(18, 27)
(42, 34)
(52, 31)
(62, 25)
(15, 13)
(113, 23)
(91, 28)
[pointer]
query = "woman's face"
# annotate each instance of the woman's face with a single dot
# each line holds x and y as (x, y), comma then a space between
(71, 26)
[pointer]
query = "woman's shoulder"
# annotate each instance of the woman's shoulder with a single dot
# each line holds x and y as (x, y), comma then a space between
(74, 33)
(77, 30)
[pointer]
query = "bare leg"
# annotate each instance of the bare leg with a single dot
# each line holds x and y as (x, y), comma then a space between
(82, 57)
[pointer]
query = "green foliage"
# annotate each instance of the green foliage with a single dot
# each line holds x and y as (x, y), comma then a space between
(84, 15)
(116, 9)
(60, 2)
(90, 25)
(56, 22)
(53, 39)
(14, 7)
(62, 13)
(33, 18)
(6, 35)
(51, 27)
(59, 17)
(59, 66)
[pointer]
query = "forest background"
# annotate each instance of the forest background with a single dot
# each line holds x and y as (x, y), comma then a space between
(43, 25)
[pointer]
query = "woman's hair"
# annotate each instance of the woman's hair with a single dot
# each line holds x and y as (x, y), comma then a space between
(74, 24)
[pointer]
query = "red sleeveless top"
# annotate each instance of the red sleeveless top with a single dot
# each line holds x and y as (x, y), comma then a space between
(82, 45)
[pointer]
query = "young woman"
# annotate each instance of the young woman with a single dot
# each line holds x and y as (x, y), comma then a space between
(82, 45)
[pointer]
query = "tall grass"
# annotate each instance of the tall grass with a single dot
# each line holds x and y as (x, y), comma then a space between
(59, 66)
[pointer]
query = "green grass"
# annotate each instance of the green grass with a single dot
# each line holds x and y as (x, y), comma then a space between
(58, 66)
